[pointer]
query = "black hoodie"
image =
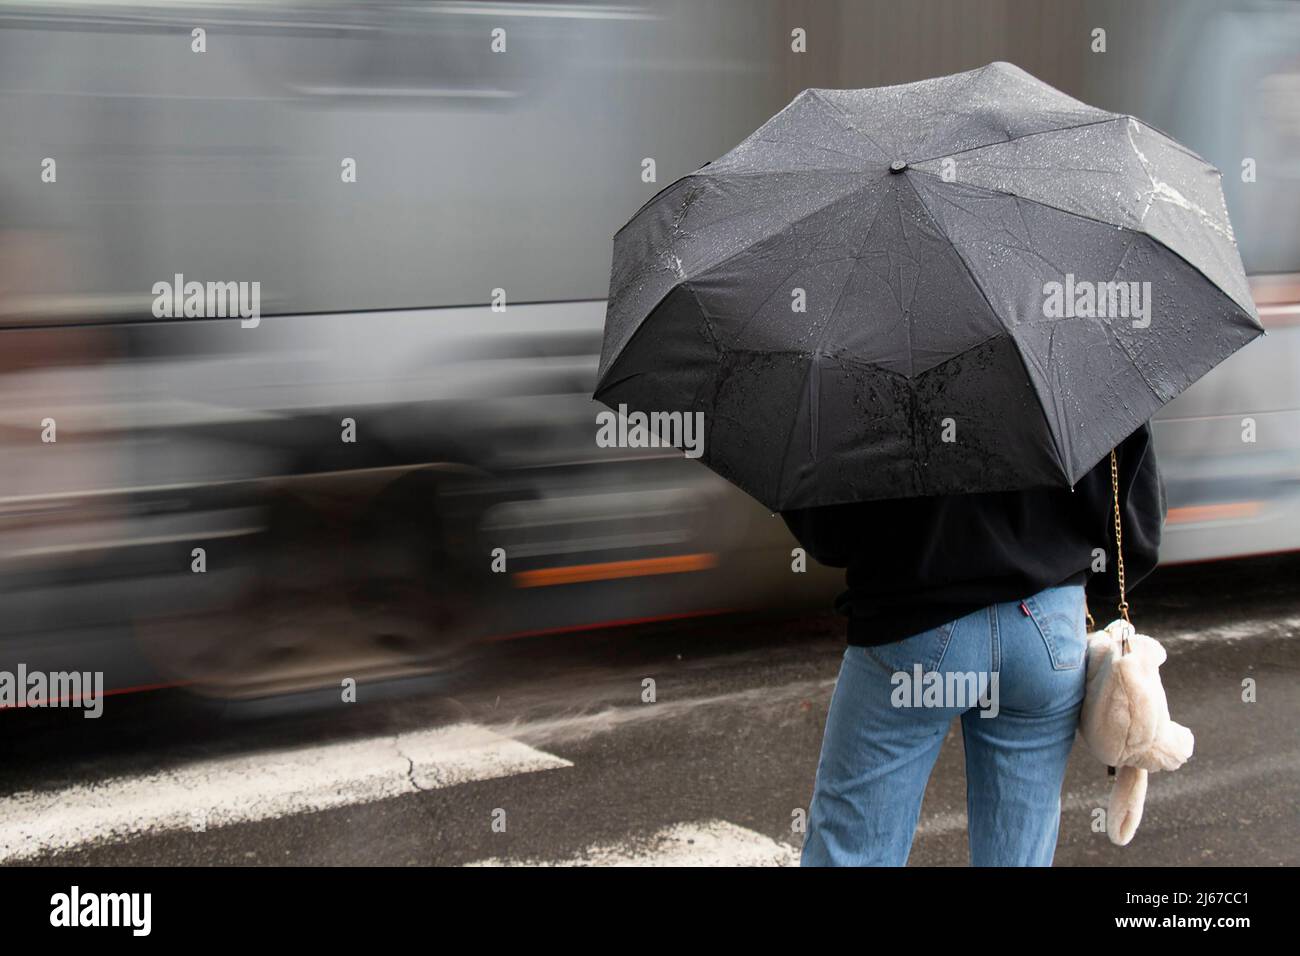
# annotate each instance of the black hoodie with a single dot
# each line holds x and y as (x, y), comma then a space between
(914, 564)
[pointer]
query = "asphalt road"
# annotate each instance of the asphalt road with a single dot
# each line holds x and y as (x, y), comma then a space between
(547, 751)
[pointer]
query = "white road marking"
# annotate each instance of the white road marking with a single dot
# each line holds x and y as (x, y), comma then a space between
(573, 728)
(710, 843)
(242, 789)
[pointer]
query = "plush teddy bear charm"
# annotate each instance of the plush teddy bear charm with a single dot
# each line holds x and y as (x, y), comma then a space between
(1125, 720)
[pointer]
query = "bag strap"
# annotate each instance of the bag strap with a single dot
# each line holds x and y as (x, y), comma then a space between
(1119, 536)
(1119, 560)
(1119, 549)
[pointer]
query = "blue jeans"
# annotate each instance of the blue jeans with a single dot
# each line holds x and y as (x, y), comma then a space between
(1014, 673)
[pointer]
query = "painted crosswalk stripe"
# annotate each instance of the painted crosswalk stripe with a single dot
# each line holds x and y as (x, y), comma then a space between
(710, 843)
(241, 789)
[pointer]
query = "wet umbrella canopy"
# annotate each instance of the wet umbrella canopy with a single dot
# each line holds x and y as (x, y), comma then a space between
(972, 283)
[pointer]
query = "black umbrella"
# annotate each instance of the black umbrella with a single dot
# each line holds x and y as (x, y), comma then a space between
(967, 284)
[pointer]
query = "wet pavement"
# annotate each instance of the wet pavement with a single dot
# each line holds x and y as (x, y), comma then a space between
(551, 750)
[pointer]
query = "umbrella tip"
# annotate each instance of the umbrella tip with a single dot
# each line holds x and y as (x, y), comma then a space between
(897, 166)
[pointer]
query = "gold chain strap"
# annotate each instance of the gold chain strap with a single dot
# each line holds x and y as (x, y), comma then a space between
(1119, 551)
(1119, 560)
(1119, 536)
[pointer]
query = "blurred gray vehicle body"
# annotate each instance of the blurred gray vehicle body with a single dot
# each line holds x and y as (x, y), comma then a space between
(474, 429)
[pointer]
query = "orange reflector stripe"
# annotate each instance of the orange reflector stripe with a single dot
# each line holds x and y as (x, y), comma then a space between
(578, 573)
(1221, 512)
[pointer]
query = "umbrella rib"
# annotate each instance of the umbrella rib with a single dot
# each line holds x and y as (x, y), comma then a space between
(1170, 141)
(974, 77)
(1110, 333)
(779, 229)
(766, 299)
(1037, 202)
(957, 252)
(1137, 234)
(1013, 139)
(848, 122)
(712, 171)
(871, 366)
(713, 265)
(816, 351)
(857, 258)
(649, 202)
(1106, 325)
(918, 476)
(907, 310)
(708, 319)
(749, 210)
(824, 149)
(1029, 250)
(1130, 122)
(718, 352)
(789, 436)
(706, 173)
(799, 266)
(1109, 225)
(1060, 461)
